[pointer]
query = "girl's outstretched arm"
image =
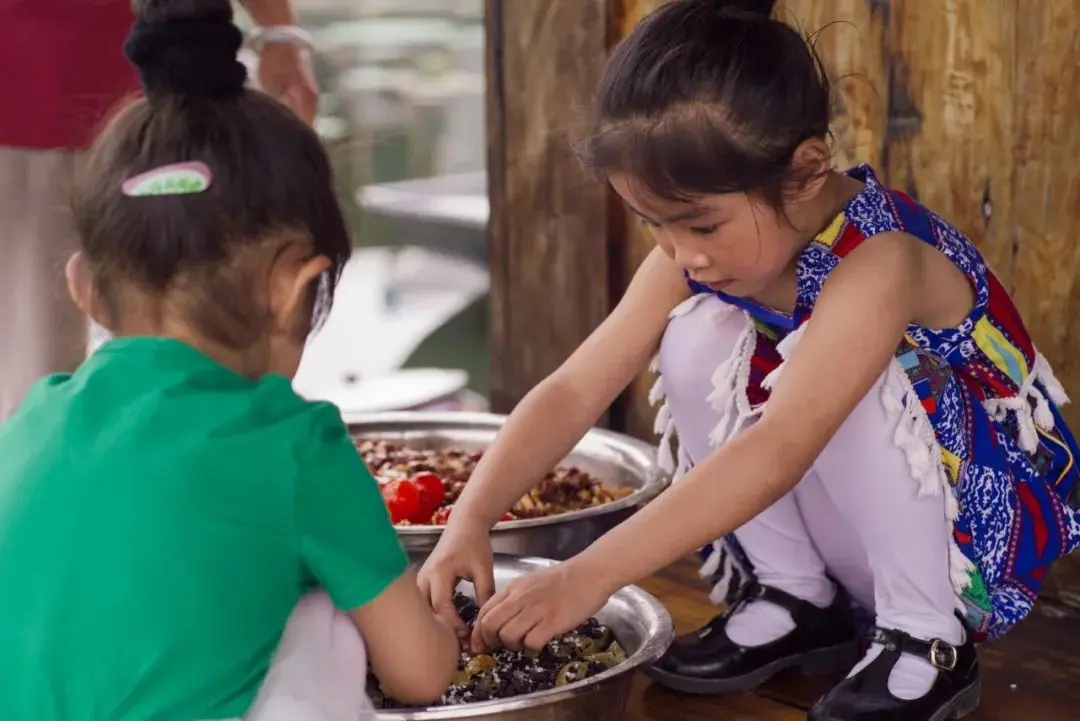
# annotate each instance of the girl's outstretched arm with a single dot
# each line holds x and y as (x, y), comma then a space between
(547, 423)
(557, 413)
(859, 319)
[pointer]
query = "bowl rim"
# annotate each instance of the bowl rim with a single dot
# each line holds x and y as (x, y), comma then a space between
(657, 479)
(649, 652)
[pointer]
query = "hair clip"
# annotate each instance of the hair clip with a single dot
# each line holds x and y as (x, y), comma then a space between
(175, 179)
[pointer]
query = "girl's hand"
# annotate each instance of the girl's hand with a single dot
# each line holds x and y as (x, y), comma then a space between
(463, 551)
(533, 609)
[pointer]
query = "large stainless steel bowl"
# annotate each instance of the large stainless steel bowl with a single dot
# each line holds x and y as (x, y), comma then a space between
(611, 457)
(639, 623)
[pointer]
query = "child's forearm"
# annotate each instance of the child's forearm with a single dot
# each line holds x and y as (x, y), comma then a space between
(540, 432)
(558, 412)
(719, 495)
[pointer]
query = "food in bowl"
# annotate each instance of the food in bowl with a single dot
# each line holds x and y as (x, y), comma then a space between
(421, 485)
(586, 651)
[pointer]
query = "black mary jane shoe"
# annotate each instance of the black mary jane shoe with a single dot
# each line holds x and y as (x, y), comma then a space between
(865, 696)
(708, 662)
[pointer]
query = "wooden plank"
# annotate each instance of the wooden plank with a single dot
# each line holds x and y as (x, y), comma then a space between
(848, 37)
(548, 232)
(1047, 187)
(635, 414)
(650, 702)
(951, 115)
(1047, 206)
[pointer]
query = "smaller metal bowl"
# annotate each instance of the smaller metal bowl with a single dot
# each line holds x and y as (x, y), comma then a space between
(640, 624)
(612, 457)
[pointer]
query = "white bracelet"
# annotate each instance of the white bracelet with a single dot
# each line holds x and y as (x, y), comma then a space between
(260, 37)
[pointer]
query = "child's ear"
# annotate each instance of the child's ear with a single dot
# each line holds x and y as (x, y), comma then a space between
(812, 161)
(291, 288)
(80, 285)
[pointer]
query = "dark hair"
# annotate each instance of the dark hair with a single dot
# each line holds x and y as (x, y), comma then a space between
(708, 97)
(271, 180)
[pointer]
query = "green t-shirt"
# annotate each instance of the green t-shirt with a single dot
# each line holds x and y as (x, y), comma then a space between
(160, 516)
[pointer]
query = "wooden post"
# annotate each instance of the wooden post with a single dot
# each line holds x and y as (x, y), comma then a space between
(551, 239)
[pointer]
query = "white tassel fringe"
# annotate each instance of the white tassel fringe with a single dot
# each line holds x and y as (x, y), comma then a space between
(785, 347)
(915, 436)
(729, 381)
(1029, 420)
(712, 563)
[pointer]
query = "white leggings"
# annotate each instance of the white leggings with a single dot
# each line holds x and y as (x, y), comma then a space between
(856, 515)
(319, 670)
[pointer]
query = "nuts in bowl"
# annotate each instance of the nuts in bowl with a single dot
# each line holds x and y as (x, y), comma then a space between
(421, 485)
(588, 650)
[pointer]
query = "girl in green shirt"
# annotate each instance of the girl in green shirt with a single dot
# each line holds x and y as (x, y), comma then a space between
(188, 538)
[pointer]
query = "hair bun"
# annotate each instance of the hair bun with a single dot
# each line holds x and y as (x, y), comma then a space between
(761, 8)
(187, 49)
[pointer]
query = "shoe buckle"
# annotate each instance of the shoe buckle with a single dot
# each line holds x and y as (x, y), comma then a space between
(943, 656)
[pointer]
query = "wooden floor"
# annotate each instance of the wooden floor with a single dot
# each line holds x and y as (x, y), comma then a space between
(1032, 675)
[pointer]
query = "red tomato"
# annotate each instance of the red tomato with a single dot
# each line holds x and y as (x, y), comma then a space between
(507, 517)
(432, 492)
(402, 499)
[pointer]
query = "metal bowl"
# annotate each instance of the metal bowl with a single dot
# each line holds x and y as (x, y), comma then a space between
(640, 624)
(612, 457)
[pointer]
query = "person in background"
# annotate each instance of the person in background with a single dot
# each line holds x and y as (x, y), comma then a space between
(182, 536)
(64, 72)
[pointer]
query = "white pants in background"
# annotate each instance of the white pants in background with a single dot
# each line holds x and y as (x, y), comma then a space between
(856, 515)
(41, 330)
(319, 670)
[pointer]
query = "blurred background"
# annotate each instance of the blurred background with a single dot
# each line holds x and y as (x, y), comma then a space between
(402, 114)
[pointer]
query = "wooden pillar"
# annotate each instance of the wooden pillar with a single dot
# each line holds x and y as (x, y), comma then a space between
(551, 239)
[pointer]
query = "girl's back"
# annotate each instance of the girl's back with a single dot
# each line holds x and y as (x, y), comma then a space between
(160, 516)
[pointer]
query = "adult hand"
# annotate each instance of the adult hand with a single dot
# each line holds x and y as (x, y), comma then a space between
(463, 552)
(533, 609)
(285, 73)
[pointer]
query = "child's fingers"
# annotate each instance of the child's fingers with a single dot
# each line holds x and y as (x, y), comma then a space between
(423, 582)
(496, 604)
(438, 587)
(502, 609)
(512, 634)
(483, 580)
(493, 624)
(538, 636)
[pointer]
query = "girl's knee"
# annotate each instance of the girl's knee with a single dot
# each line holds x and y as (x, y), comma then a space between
(881, 451)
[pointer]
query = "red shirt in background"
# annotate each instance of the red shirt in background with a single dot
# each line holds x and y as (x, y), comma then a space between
(63, 69)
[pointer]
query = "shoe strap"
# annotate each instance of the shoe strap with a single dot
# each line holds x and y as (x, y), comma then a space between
(755, 591)
(941, 655)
